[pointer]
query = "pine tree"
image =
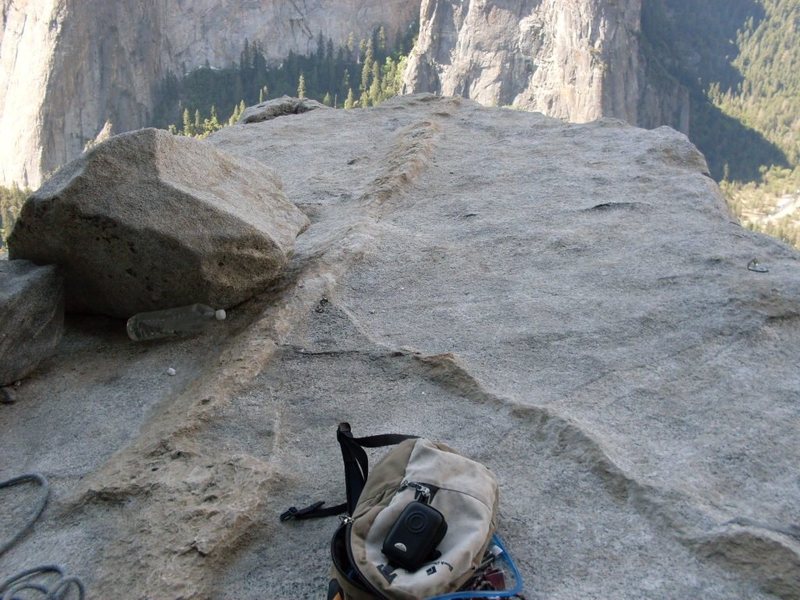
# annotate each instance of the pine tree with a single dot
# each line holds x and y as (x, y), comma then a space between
(362, 50)
(392, 77)
(188, 128)
(388, 78)
(245, 60)
(238, 111)
(329, 50)
(301, 87)
(320, 47)
(351, 100)
(330, 65)
(232, 120)
(382, 46)
(399, 73)
(366, 69)
(259, 63)
(211, 124)
(375, 86)
(327, 100)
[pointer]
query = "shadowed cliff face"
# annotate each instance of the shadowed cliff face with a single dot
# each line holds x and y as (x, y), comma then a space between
(698, 43)
(575, 59)
(67, 67)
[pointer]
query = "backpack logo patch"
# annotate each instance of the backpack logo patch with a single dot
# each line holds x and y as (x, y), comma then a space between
(387, 572)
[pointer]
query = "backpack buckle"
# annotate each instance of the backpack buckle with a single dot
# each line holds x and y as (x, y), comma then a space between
(299, 513)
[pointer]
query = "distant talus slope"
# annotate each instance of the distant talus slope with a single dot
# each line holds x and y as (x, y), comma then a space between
(67, 67)
(572, 59)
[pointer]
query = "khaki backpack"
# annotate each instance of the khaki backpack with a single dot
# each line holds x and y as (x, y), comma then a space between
(464, 491)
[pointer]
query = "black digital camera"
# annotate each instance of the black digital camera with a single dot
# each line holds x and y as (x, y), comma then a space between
(413, 538)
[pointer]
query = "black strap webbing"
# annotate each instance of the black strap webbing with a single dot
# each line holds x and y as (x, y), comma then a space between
(356, 471)
(313, 512)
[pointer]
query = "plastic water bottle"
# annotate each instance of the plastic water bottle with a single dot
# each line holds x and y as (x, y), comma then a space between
(172, 322)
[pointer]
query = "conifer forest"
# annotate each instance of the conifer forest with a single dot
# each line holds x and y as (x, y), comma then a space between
(359, 74)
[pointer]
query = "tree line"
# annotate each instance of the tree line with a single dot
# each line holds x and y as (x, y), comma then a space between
(767, 99)
(740, 61)
(356, 74)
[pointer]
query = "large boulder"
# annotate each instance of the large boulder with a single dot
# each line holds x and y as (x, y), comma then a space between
(148, 220)
(279, 107)
(31, 316)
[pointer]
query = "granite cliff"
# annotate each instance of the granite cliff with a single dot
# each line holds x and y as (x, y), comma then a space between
(573, 59)
(69, 67)
(71, 70)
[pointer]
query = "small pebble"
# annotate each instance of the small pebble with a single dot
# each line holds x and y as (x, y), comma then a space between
(171, 371)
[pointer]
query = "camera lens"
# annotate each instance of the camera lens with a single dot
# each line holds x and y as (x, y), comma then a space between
(416, 522)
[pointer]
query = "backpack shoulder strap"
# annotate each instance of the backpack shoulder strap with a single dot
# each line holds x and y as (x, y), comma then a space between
(356, 471)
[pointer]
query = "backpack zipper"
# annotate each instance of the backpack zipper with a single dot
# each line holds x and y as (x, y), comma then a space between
(425, 492)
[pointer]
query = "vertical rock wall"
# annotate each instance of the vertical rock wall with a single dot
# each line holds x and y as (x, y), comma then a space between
(573, 59)
(28, 37)
(69, 67)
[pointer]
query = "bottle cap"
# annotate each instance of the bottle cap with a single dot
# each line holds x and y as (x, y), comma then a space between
(220, 314)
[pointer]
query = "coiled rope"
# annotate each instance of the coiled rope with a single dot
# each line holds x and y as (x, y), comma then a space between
(48, 581)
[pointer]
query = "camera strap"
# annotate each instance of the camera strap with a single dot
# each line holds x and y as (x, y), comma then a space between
(356, 471)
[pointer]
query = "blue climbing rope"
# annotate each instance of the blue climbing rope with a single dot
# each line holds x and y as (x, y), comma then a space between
(48, 581)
